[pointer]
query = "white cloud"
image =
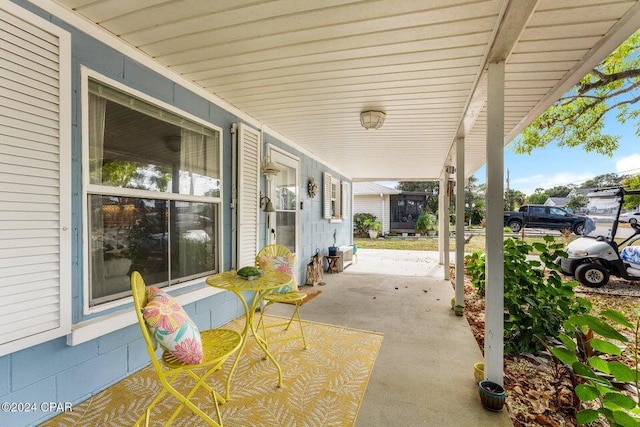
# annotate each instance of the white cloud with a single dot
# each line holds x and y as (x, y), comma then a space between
(629, 164)
(529, 184)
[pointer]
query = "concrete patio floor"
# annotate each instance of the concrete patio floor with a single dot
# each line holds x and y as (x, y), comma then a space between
(424, 372)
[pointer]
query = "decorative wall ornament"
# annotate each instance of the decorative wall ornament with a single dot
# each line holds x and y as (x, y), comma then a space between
(312, 188)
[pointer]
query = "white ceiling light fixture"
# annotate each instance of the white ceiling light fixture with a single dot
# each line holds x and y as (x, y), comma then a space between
(372, 119)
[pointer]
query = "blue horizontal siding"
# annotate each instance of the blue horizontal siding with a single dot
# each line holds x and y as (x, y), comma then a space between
(55, 372)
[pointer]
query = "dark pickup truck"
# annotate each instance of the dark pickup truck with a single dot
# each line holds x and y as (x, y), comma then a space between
(540, 216)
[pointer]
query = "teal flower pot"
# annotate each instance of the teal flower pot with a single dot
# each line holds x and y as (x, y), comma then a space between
(492, 395)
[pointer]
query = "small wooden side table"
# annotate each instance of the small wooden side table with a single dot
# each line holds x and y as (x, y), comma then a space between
(332, 263)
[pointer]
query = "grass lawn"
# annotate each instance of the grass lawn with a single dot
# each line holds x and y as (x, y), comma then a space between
(477, 243)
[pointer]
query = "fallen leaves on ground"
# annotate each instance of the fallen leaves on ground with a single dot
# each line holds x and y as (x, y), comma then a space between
(535, 396)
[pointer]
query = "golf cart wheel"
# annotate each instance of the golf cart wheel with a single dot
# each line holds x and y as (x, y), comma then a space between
(592, 275)
(579, 229)
(515, 226)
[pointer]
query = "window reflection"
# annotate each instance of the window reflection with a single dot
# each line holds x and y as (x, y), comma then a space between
(139, 148)
(130, 234)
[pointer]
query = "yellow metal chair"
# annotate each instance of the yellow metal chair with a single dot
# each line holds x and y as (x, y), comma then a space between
(294, 297)
(218, 345)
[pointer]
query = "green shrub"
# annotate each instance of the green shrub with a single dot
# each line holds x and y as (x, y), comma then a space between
(361, 223)
(373, 224)
(426, 222)
(591, 349)
(536, 299)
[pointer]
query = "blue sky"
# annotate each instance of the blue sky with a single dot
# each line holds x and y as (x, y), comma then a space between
(553, 165)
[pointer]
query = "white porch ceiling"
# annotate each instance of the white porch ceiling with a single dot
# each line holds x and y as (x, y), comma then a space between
(307, 68)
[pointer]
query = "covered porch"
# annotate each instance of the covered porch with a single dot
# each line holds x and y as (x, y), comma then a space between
(423, 374)
(424, 371)
(335, 92)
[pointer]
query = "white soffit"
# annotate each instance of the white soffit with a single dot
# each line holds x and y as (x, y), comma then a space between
(307, 68)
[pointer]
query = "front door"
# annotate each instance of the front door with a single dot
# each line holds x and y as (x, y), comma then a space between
(284, 195)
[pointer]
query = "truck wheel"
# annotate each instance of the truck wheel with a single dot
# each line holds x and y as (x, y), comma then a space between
(579, 229)
(515, 226)
(592, 275)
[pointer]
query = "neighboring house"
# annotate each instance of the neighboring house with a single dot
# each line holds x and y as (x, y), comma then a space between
(579, 192)
(406, 207)
(558, 202)
(373, 198)
(112, 164)
(561, 202)
(397, 210)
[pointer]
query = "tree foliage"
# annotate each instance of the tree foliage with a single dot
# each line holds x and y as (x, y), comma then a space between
(474, 202)
(631, 183)
(513, 199)
(539, 197)
(422, 186)
(576, 202)
(430, 188)
(577, 119)
(559, 191)
(604, 181)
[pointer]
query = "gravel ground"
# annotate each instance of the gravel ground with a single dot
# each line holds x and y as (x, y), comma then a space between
(616, 286)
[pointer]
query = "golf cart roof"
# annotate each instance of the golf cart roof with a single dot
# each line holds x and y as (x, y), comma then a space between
(606, 192)
(612, 192)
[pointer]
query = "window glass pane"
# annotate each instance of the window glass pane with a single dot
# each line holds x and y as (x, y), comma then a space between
(285, 189)
(198, 164)
(126, 234)
(137, 145)
(286, 235)
(193, 238)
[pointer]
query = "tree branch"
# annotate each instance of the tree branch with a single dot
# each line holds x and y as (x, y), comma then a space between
(605, 79)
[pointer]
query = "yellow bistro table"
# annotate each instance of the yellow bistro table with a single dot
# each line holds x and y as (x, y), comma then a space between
(260, 287)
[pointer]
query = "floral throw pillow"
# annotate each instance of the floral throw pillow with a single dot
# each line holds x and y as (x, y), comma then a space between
(171, 327)
(283, 264)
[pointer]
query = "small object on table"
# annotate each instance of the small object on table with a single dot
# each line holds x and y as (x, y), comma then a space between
(249, 273)
(332, 263)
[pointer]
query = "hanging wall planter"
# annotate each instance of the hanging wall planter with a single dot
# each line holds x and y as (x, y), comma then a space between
(492, 395)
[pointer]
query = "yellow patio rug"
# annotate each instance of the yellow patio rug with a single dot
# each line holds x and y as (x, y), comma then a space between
(323, 386)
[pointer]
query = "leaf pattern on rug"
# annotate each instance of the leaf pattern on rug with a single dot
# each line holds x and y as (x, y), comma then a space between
(323, 385)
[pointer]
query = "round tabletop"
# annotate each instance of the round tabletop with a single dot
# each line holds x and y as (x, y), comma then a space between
(230, 281)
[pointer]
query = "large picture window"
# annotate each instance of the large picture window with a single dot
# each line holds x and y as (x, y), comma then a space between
(153, 194)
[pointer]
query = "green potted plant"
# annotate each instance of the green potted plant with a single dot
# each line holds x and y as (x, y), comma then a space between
(426, 224)
(374, 226)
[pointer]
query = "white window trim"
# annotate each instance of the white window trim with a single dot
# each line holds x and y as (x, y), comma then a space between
(328, 183)
(85, 75)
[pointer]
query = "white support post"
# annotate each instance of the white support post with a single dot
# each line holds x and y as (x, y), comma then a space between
(494, 291)
(443, 224)
(460, 210)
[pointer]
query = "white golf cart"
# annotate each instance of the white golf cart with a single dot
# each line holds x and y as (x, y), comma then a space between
(608, 246)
